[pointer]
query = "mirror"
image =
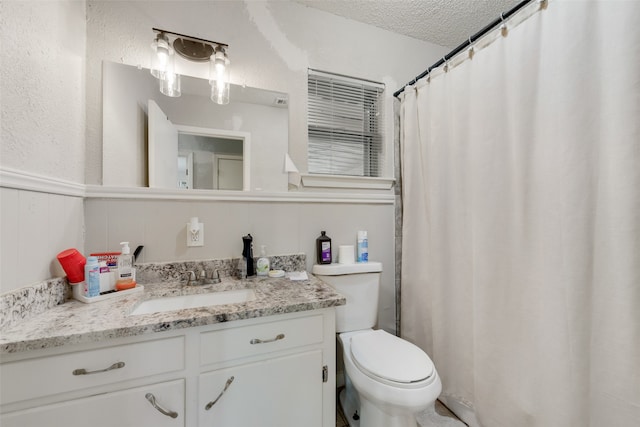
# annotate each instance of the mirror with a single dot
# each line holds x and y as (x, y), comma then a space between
(212, 161)
(188, 157)
(213, 144)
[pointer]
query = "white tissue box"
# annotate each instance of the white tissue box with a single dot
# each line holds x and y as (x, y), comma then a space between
(107, 279)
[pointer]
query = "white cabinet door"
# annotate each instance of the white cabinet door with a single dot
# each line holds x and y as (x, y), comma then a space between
(279, 392)
(127, 408)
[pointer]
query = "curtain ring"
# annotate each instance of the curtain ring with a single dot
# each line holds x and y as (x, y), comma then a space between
(543, 3)
(503, 27)
(471, 51)
(446, 64)
(412, 84)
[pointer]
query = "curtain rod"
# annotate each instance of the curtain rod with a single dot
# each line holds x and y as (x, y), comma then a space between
(503, 16)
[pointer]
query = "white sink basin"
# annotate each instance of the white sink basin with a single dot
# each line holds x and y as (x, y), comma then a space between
(192, 301)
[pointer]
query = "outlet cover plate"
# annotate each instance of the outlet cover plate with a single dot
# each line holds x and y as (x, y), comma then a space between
(198, 239)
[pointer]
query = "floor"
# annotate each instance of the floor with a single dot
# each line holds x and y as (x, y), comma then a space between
(439, 416)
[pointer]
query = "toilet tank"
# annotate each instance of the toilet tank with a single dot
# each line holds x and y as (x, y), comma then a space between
(359, 284)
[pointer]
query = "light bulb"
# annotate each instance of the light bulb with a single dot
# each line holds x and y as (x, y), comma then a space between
(219, 77)
(219, 63)
(161, 56)
(170, 85)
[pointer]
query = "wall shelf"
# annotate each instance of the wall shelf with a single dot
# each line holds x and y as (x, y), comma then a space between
(347, 193)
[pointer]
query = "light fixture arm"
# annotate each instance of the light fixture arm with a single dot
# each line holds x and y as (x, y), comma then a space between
(195, 39)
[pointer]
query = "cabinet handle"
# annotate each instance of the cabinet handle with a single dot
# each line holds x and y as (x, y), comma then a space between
(259, 341)
(152, 399)
(83, 371)
(213, 402)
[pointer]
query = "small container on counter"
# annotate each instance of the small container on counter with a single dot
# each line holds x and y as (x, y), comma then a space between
(107, 278)
(262, 266)
(125, 265)
(323, 249)
(363, 247)
(91, 278)
(72, 263)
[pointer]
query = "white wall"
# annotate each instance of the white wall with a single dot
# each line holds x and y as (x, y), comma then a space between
(284, 227)
(42, 82)
(43, 87)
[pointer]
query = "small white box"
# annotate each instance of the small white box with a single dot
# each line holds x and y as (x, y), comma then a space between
(107, 279)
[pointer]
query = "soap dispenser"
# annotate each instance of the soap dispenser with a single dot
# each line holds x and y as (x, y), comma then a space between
(263, 262)
(126, 274)
(247, 254)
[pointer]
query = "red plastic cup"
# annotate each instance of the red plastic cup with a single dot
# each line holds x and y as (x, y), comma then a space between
(72, 263)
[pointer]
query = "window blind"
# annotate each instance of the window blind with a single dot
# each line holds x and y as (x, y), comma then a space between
(344, 125)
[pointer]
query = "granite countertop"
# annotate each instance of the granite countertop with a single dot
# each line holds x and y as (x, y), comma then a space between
(75, 322)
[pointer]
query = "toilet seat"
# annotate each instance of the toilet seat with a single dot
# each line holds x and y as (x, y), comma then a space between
(391, 360)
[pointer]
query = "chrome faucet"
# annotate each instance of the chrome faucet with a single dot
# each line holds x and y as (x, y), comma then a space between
(202, 279)
(215, 277)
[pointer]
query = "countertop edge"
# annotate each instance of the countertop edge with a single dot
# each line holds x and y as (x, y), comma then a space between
(157, 326)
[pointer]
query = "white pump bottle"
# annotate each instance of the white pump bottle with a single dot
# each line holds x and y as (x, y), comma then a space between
(125, 267)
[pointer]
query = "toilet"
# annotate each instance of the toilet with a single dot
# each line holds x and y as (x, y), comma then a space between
(388, 380)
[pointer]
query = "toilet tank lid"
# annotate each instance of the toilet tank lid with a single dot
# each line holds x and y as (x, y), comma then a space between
(340, 269)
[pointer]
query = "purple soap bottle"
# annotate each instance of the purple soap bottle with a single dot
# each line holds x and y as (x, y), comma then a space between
(323, 248)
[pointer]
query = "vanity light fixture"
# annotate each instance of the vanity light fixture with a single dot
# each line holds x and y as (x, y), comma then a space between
(194, 49)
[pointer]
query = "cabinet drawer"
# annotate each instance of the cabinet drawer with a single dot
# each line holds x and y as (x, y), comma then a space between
(235, 343)
(121, 408)
(27, 379)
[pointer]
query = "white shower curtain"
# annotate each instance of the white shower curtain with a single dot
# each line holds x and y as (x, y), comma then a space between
(521, 224)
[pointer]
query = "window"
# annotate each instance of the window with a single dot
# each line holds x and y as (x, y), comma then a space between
(344, 125)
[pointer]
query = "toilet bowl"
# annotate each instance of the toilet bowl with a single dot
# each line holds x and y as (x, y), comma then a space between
(387, 380)
(393, 378)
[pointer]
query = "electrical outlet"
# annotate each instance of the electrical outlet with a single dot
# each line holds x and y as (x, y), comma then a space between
(195, 238)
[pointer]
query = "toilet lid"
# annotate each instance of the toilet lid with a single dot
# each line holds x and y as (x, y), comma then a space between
(386, 356)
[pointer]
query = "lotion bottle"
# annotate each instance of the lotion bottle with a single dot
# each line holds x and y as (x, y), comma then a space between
(92, 277)
(126, 276)
(363, 247)
(263, 262)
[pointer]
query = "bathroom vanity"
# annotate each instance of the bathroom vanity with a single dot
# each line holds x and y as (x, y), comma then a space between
(265, 362)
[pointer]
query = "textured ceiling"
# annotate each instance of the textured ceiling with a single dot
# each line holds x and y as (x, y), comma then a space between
(443, 22)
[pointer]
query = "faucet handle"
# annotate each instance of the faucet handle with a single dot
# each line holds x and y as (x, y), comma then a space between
(215, 277)
(192, 277)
